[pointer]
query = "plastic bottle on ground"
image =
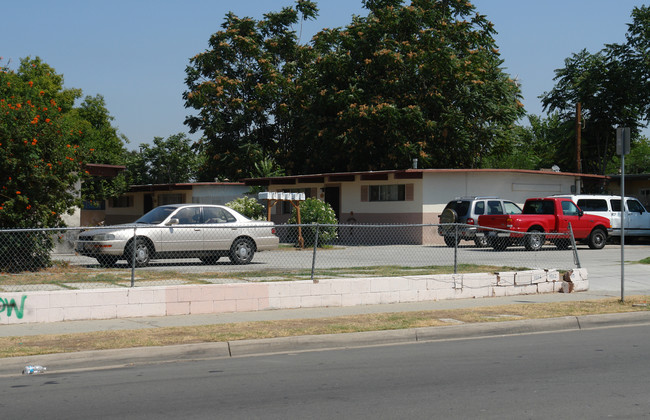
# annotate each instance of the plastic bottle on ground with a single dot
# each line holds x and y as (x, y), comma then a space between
(32, 369)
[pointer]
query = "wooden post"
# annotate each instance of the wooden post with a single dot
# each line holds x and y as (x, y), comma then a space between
(301, 240)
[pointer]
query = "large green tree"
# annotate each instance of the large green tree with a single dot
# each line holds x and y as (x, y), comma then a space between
(167, 161)
(534, 146)
(601, 84)
(40, 157)
(104, 144)
(240, 88)
(419, 81)
(41, 162)
(613, 88)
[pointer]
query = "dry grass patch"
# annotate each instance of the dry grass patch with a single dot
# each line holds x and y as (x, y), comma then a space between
(62, 343)
(66, 275)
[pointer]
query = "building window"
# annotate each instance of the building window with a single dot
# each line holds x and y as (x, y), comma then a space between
(164, 199)
(122, 201)
(388, 192)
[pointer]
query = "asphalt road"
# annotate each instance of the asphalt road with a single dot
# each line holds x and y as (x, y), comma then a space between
(594, 373)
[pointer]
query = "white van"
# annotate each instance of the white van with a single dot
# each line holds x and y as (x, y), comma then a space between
(637, 218)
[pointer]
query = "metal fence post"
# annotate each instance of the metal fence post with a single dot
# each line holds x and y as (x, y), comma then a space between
(313, 259)
(576, 260)
(135, 249)
(456, 241)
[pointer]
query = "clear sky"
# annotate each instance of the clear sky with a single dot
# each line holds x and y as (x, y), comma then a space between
(134, 52)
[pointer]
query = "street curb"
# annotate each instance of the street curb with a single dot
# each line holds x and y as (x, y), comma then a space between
(106, 359)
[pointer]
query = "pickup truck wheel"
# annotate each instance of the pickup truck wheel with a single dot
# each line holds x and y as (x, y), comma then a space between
(597, 239)
(534, 240)
(452, 241)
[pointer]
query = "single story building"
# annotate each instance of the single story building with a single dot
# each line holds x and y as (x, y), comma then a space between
(418, 196)
(141, 198)
(636, 185)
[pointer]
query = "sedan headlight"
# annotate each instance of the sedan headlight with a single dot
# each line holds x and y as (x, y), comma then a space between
(104, 237)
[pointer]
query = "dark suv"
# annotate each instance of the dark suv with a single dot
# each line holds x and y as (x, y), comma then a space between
(463, 212)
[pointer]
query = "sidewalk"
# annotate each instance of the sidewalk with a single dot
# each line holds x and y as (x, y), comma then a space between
(132, 357)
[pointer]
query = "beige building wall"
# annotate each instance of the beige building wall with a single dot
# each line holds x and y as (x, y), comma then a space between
(517, 187)
(427, 195)
(131, 205)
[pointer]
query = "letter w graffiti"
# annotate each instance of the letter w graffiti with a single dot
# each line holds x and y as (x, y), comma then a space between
(10, 306)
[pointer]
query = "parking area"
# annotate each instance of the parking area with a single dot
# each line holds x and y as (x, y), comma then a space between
(604, 265)
(377, 251)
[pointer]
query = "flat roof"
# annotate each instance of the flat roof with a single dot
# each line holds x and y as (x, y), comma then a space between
(180, 186)
(398, 174)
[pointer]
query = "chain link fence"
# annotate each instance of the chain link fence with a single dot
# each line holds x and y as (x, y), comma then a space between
(140, 255)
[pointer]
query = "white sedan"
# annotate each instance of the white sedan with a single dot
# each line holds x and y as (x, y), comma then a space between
(203, 231)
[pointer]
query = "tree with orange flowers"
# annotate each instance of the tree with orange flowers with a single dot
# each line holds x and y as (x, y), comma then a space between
(411, 79)
(41, 162)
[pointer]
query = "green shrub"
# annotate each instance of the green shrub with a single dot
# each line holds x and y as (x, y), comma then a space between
(313, 210)
(249, 207)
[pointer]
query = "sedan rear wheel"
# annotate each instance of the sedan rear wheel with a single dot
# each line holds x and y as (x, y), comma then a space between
(241, 251)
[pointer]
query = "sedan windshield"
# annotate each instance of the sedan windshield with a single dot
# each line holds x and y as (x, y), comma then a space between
(156, 216)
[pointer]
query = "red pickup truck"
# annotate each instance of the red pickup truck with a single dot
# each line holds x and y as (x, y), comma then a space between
(545, 215)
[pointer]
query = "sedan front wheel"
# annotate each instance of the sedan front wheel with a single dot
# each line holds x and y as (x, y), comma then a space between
(142, 253)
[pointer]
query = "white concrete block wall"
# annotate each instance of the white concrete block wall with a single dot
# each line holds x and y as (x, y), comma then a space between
(53, 306)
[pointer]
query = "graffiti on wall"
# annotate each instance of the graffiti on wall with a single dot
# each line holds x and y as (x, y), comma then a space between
(9, 306)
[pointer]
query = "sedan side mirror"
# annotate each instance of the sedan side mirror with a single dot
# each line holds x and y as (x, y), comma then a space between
(172, 221)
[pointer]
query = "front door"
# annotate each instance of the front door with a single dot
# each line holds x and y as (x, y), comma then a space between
(148, 203)
(571, 214)
(187, 235)
(333, 198)
(637, 219)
